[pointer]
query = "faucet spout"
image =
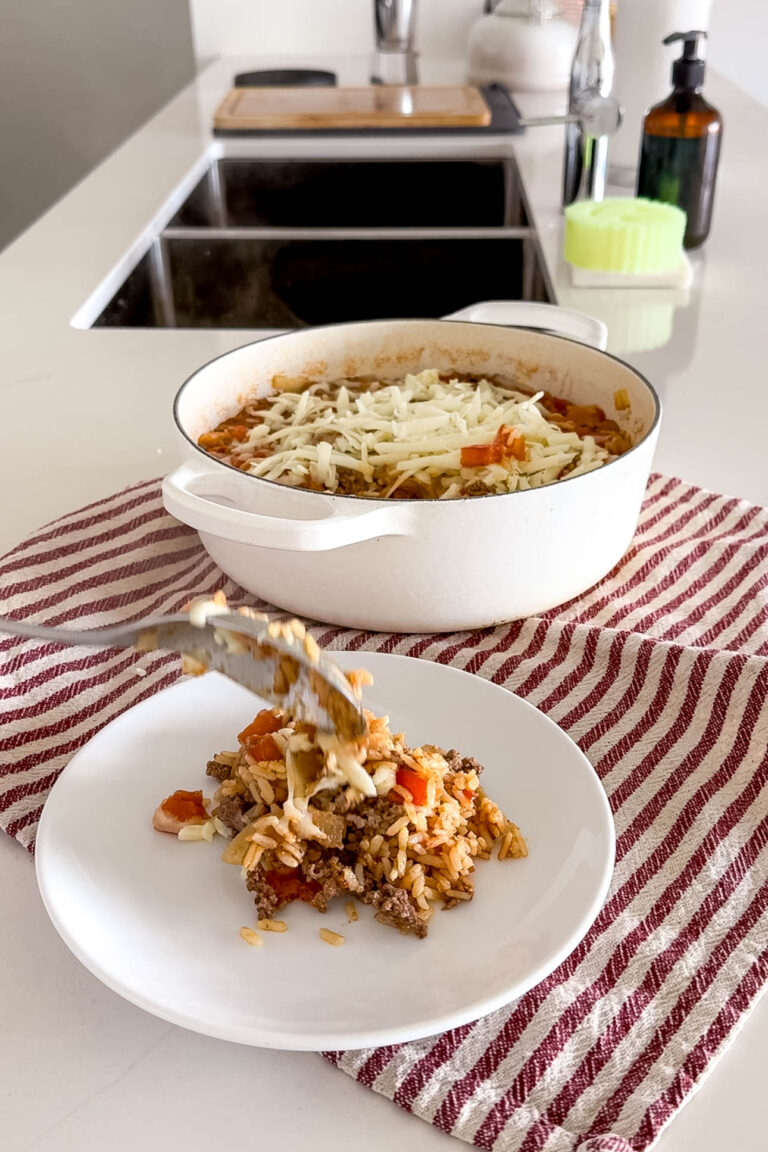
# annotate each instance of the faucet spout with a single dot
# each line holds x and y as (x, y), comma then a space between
(395, 25)
(395, 33)
(586, 150)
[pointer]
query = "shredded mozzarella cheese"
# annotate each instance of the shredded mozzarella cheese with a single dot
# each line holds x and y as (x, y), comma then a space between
(389, 434)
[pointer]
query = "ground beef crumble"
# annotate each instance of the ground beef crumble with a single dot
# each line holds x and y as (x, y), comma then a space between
(220, 772)
(324, 874)
(336, 802)
(267, 900)
(395, 907)
(276, 887)
(458, 763)
(350, 482)
(375, 817)
(231, 811)
(318, 881)
(334, 877)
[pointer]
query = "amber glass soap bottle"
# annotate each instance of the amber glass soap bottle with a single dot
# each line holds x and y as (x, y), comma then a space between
(681, 144)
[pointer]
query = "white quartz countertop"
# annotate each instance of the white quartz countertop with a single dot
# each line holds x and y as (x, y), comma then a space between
(87, 412)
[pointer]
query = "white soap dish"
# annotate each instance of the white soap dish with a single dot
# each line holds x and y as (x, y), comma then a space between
(681, 276)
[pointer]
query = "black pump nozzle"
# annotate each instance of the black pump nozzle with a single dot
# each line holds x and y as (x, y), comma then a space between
(688, 71)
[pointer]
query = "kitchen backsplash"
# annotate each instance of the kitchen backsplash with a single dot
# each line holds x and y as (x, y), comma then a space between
(738, 31)
(234, 26)
(237, 27)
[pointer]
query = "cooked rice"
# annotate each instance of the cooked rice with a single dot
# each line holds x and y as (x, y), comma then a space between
(251, 937)
(351, 911)
(204, 831)
(333, 938)
(221, 828)
(307, 821)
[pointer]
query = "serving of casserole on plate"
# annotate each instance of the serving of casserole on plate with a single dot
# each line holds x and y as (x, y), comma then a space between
(159, 922)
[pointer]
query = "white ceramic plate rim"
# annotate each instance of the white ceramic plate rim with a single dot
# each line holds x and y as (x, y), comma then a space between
(313, 1040)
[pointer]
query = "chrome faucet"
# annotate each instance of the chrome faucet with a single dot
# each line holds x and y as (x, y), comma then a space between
(395, 30)
(594, 114)
(586, 154)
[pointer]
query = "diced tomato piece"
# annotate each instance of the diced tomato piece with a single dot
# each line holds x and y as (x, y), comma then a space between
(237, 431)
(508, 442)
(263, 748)
(265, 722)
(416, 784)
(289, 886)
(480, 455)
(511, 441)
(186, 807)
(517, 447)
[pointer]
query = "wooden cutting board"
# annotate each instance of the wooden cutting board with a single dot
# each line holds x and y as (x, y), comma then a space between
(379, 106)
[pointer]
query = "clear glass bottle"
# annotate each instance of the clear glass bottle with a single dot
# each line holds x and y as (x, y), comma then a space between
(586, 157)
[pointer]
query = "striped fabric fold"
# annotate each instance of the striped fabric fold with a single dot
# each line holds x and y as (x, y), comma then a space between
(660, 674)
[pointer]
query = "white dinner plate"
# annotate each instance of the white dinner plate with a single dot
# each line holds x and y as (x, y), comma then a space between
(158, 920)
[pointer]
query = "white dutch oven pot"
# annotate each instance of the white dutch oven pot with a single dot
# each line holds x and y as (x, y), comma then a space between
(418, 565)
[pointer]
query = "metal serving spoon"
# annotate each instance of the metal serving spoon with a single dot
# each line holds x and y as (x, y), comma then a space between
(275, 661)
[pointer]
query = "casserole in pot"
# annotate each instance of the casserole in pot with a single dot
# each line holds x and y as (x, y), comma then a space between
(423, 565)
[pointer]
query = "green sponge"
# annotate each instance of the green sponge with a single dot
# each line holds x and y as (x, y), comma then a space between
(624, 235)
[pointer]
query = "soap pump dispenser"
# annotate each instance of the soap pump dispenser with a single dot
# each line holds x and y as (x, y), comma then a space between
(681, 144)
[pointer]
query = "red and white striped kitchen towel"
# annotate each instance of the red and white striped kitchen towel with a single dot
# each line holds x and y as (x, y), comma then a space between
(660, 673)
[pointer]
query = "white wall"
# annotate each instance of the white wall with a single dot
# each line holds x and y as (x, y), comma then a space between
(239, 27)
(738, 45)
(739, 31)
(76, 78)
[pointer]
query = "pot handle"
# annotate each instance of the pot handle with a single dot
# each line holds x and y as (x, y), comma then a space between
(529, 314)
(200, 497)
